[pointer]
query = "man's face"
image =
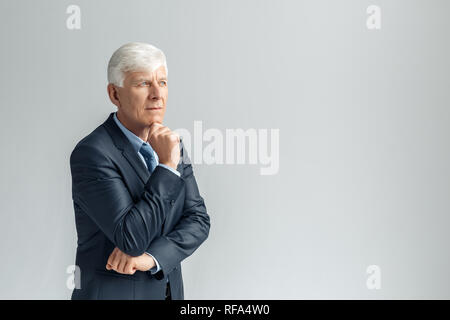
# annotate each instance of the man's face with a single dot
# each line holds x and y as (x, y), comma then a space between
(143, 96)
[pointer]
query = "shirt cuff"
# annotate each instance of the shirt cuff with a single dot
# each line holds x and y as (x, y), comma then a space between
(170, 168)
(154, 269)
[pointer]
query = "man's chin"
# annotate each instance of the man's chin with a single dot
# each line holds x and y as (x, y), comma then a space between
(157, 119)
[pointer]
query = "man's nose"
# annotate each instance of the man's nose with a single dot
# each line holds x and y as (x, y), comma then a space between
(155, 93)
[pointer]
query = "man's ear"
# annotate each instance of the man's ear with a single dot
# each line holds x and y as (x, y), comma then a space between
(113, 94)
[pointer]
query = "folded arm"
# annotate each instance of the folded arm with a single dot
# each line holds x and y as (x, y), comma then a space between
(191, 230)
(99, 190)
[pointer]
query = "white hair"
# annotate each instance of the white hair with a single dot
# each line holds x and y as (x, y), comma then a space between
(134, 56)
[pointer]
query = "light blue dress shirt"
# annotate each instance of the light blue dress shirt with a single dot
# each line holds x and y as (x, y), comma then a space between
(137, 142)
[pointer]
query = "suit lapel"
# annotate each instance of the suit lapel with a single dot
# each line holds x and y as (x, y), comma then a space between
(122, 143)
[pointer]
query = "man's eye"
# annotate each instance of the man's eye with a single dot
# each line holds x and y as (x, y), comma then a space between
(143, 83)
(163, 83)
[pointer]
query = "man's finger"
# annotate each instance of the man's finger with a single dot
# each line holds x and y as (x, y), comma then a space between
(111, 258)
(158, 131)
(129, 267)
(116, 259)
(174, 136)
(153, 127)
(121, 262)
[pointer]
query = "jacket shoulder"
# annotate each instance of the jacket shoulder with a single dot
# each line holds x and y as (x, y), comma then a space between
(95, 144)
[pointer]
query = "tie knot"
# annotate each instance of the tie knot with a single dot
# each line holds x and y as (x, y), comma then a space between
(146, 150)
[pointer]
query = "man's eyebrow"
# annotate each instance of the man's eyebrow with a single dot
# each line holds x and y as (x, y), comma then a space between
(144, 79)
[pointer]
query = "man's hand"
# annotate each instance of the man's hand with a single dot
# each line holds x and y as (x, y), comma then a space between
(123, 263)
(166, 143)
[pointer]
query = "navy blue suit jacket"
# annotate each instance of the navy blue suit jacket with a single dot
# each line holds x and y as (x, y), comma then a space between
(118, 203)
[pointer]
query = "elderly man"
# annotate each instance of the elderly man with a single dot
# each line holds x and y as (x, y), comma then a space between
(138, 210)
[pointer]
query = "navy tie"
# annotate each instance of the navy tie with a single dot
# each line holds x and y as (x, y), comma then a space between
(147, 153)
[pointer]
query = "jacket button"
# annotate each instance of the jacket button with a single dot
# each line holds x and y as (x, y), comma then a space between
(172, 202)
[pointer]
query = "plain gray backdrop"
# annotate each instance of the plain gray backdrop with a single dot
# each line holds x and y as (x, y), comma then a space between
(364, 175)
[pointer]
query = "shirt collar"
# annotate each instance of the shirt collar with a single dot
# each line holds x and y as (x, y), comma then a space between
(135, 141)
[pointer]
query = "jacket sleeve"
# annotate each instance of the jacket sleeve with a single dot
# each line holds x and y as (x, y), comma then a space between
(191, 230)
(99, 189)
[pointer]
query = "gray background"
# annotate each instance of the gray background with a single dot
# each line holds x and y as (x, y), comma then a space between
(364, 140)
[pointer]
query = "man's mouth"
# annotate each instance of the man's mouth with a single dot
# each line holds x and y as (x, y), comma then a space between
(154, 108)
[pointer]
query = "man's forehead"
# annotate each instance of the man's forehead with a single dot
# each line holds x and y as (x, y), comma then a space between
(144, 74)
